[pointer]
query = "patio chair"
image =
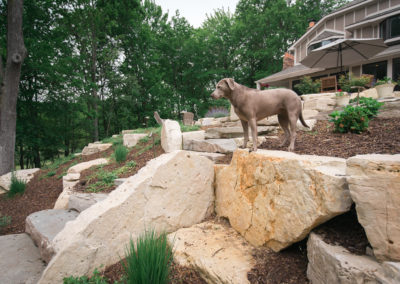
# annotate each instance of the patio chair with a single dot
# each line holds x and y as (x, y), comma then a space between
(328, 84)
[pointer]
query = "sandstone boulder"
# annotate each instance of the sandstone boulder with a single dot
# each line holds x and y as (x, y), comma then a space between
(234, 132)
(94, 148)
(211, 145)
(172, 191)
(44, 225)
(192, 135)
(374, 185)
(310, 122)
(215, 157)
(239, 141)
(269, 121)
(25, 175)
(216, 251)
(171, 136)
(335, 264)
(86, 165)
(130, 140)
(319, 102)
(275, 198)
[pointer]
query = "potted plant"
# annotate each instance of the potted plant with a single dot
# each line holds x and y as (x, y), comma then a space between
(385, 87)
(342, 98)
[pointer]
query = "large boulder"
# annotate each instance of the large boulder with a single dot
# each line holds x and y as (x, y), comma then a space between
(216, 251)
(131, 139)
(374, 185)
(44, 225)
(81, 201)
(275, 198)
(172, 191)
(171, 136)
(335, 264)
(25, 175)
(192, 135)
(319, 102)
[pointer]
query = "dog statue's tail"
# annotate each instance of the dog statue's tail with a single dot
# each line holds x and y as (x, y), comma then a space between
(301, 116)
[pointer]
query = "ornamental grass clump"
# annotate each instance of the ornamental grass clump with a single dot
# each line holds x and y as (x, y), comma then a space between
(120, 153)
(17, 186)
(150, 261)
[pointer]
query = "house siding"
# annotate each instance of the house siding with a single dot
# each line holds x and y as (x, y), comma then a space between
(383, 4)
(394, 3)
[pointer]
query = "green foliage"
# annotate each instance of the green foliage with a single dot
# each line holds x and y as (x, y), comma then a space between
(385, 80)
(346, 82)
(371, 105)
(105, 180)
(59, 162)
(116, 141)
(120, 153)
(4, 221)
(17, 186)
(95, 279)
(50, 173)
(308, 86)
(350, 119)
(188, 128)
(150, 261)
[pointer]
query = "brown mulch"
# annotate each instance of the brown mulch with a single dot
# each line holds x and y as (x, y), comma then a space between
(287, 266)
(87, 177)
(382, 137)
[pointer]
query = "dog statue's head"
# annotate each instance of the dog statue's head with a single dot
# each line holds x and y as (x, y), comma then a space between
(224, 89)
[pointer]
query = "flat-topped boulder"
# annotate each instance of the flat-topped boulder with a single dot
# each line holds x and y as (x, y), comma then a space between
(80, 201)
(234, 132)
(335, 264)
(374, 185)
(211, 145)
(25, 175)
(173, 191)
(216, 251)
(215, 157)
(192, 135)
(275, 198)
(78, 168)
(43, 226)
(239, 141)
(20, 260)
(131, 139)
(94, 148)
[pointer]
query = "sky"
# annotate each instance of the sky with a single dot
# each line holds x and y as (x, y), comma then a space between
(195, 10)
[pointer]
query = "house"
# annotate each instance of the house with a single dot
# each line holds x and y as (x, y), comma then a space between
(359, 19)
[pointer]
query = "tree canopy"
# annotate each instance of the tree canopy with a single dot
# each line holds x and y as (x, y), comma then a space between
(96, 67)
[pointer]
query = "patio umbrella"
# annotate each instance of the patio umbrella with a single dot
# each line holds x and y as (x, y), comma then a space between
(343, 51)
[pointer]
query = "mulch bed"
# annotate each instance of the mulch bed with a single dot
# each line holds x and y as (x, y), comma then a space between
(287, 266)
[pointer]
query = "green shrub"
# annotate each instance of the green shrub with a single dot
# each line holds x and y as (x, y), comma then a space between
(385, 80)
(95, 279)
(308, 86)
(150, 262)
(51, 173)
(17, 186)
(370, 104)
(58, 162)
(188, 128)
(4, 221)
(350, 119)
(346, 82)
(120, 153)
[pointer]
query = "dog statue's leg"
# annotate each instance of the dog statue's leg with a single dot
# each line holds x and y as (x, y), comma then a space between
(253, 127)
(284, 123)
(245, 126)
(293, 122)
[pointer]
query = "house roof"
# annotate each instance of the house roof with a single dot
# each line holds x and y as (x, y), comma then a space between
(297, 70)
(348, 5)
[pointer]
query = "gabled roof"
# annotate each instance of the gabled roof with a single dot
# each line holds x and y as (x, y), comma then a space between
(297, 70)
(327, 34)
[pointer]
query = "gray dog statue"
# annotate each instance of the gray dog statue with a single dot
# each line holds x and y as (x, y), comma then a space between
(252, 105)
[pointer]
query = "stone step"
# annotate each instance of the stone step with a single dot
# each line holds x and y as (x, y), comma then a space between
(215, 250)
(234, 132)
(43, 226)
(80, 201)
(211, 145)
(215, 157)
(20, 260)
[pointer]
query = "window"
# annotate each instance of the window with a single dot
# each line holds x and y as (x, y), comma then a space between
(396, 69)
(378, 69)
(319, 44)
(390, 28)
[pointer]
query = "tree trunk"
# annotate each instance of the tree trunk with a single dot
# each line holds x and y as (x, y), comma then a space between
(16, 53)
